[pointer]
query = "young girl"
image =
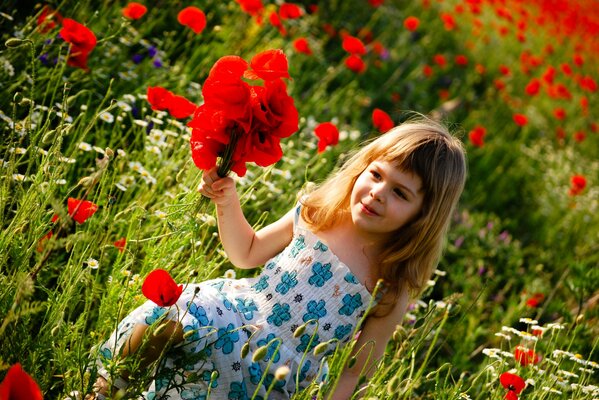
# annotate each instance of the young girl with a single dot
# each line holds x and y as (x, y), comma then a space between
(381, 218)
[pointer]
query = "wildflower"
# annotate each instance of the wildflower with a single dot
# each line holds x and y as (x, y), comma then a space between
(559, 113)
(282, 372)
(79, 210)
(193, 18)
(18, 177)
(411, 23)
(82, 42)
(520, 119)
(477, 136)
(275, 21)
(355, 63)
(353, 45)
(427, 71)
(160, 288)
(290, 11)
(93, 263)
(327, 134)
(577, 185)
(513, 383)
(107, 117)
(160, 214)
(528, 321)
(381, 120)
(18, 384)
(301, 45)
(134, 10)
(229, 274)
(526, 356)
(533, 87)
(120, 244)
(440, 60)
(461, 60)
(448, 21)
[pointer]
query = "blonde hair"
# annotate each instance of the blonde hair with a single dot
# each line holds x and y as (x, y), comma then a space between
(423, 147)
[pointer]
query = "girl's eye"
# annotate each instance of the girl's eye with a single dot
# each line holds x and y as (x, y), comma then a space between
(400, 194)
(375, 175)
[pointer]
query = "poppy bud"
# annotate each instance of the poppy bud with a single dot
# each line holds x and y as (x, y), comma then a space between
(159, 329)
(320, 348)
(213, 375)
(245, 349)
(189, 333)
(352, 362)
(299, 331)
(260, 353)
(282, 372)
(13, 43)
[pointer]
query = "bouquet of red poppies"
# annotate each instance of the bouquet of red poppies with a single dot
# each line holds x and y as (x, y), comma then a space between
(238, 122)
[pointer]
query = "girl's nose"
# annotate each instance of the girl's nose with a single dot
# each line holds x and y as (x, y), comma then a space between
(376, 192)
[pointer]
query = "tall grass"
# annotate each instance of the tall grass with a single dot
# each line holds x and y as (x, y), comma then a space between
(520, 262)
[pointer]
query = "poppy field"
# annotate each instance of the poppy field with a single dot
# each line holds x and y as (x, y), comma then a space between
(111, 110)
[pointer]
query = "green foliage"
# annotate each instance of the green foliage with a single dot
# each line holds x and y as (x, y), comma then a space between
(521, 245)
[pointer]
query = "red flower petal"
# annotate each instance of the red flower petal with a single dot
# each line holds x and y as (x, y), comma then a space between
(381, 120)
(134, 10)
(411, 23)
(520, 119)
(193, 18)
(81, 210)
(526, 356)
(82, 42)
(45, 21)
(353, 45)
(290, 11)
(252, 7)
(355, 64)
(18, 384)
(228, 68)
(327, 134)
(512, 382)
(158, 97)
(301, 45)
(179, 107)
(160, 288)
(269, 65)
(477, 136)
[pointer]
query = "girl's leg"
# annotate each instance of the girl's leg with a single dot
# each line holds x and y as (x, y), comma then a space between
(154, 345)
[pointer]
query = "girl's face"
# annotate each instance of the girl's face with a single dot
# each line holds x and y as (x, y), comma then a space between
(383, 199)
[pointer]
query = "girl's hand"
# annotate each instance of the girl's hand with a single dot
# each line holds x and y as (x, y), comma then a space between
(220, 190)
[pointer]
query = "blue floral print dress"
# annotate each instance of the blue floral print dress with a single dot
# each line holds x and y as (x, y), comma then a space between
(306, 284)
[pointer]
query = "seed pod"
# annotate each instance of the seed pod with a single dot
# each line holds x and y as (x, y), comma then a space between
(352, 362)
(13, 43)
(299, 331)
(282, 372)
(260, 353)
(245, 349)
(321, 348)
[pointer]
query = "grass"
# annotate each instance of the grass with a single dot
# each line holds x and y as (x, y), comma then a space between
(522, 248)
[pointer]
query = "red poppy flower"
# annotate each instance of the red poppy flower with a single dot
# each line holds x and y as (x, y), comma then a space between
(160, 287)
(327, 134)
(353, 45)
(120, 244)
(448, 21)
(376, 3)
(274, 110)
(193, 18)
(580, 136)
(411, 23)
(477, 136)
(427, 70)
(81, 210)
(505, 70)
(559, 113)
(301, 45)
(46, 20)
(533, 87)
(534, 300)
(381, 120)
(18, 384)
(513, 383)
(577, 184)
(461, 60)
(134, 10)
(161, 99)
(355, 63)
(276, 22)
(440, 60)
(549, 75)
(520, 119)
(526, 356)
(290, 11)
(588, 84)
(82, 42)
(251, 7)
(268, 65)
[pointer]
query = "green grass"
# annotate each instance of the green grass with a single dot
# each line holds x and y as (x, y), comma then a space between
(92, 135)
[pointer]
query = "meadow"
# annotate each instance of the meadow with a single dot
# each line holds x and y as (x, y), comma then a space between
(98, 186)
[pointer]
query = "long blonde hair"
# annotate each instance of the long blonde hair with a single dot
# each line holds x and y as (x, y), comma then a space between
(423, 147)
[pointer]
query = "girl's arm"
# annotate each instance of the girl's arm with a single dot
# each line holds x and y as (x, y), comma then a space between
(244, 247)
(373, 339)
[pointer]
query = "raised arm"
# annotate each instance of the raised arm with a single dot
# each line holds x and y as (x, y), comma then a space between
(244, 247)
(373, 339)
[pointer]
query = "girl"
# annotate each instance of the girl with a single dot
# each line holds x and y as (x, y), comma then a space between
(381, 218)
